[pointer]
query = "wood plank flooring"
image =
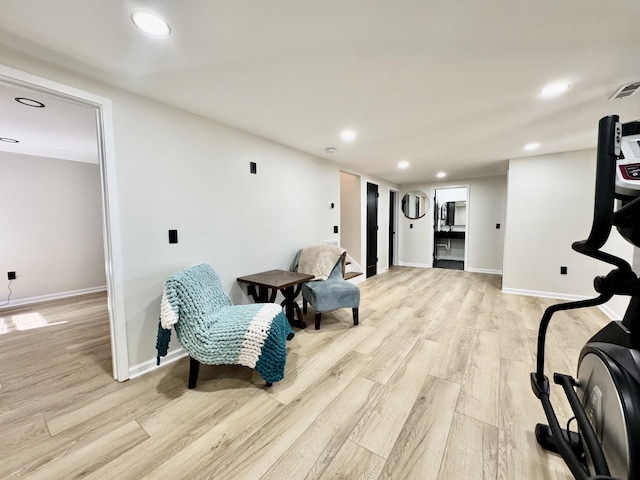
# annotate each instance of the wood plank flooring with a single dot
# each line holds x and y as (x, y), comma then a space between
(433, 384)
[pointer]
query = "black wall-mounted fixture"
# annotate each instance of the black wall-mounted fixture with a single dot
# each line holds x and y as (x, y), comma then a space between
(173, 236)
(253, 167)
(11, 275)
(332, 205)
(335, 229)
(563, 270)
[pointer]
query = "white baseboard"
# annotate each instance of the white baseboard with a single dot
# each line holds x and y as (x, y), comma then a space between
(54, 296)
(536, 293)
(410, 264)
(484, 270)
(562, 296)
(609, 312)
(150, 365)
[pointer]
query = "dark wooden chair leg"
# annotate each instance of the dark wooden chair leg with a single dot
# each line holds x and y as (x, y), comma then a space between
(318, 317)
(269, 384)
(304, 305)
(194, 369)
(355, 316)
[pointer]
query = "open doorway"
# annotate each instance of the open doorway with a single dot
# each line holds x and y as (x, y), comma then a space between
(450, 228)
(350, 221)
(103, 127)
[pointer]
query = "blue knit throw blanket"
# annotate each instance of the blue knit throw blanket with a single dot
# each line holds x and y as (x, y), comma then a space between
(215, 332)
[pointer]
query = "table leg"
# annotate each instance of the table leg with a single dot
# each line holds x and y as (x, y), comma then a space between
(262, 294)
(291, 308)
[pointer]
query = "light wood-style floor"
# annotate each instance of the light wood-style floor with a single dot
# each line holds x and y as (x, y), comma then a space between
(433, 384)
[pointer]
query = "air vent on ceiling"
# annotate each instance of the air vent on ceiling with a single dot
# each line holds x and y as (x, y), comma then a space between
(626, 91)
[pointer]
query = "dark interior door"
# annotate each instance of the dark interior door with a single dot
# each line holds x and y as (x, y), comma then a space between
(372, 229)
(436, 217)
(392, 225)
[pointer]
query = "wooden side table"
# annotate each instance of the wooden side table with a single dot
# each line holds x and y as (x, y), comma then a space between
(273, 281)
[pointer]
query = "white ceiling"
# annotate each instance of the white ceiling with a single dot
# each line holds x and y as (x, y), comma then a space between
(61, 129)
(446, 85)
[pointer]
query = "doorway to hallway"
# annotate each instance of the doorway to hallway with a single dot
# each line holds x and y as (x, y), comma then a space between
(450, 228)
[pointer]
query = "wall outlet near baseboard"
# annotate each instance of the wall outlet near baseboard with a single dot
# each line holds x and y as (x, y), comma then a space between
(11, 275)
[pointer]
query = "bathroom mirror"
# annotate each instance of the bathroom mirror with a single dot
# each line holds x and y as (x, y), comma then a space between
(453, 214)
(415, 204)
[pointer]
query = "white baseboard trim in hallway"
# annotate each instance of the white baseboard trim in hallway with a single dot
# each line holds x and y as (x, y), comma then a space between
(411, 264)
(54, 296)
(484, 270)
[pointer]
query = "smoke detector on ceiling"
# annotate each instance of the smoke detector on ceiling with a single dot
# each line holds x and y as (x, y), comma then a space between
(626, 91)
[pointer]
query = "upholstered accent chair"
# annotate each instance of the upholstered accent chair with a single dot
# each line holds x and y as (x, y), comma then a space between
(329, 291)
(215, 332)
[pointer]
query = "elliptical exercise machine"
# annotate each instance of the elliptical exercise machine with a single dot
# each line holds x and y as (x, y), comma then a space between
(605, 396)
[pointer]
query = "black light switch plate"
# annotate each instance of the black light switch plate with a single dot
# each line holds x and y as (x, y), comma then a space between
(563, 270)
(173, 236)
(253, 167)
(11, 275)
(335, 229)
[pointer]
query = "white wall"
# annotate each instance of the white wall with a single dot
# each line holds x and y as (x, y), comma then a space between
(51, 218)
(550, 206)
(179, 171)
(485, 208)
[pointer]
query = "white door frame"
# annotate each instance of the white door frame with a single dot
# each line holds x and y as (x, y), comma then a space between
(110, 211)
(466, 241)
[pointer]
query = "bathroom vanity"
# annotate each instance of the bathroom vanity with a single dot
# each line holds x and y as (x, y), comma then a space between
(450, 235)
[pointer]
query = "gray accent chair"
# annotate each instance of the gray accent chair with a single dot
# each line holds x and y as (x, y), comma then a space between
(330, 294)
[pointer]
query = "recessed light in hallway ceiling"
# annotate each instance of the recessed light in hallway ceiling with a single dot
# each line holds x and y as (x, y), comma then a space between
(403, 164)
(348, 135)
(532, 146)
(441, 174)
(29, 102)
(554, 89)
(151, 23)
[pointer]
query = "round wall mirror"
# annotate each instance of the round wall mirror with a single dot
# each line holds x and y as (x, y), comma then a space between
(415, 204)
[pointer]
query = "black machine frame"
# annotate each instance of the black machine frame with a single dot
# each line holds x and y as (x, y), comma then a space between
(618, 344)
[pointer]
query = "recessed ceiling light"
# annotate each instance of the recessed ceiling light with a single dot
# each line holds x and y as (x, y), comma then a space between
(150, 23)
(441, 174)
(532, 146)
(8, 140)
(554, 89)
(403, 164)
(348, 135)
(330, 149)
(29, 102)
